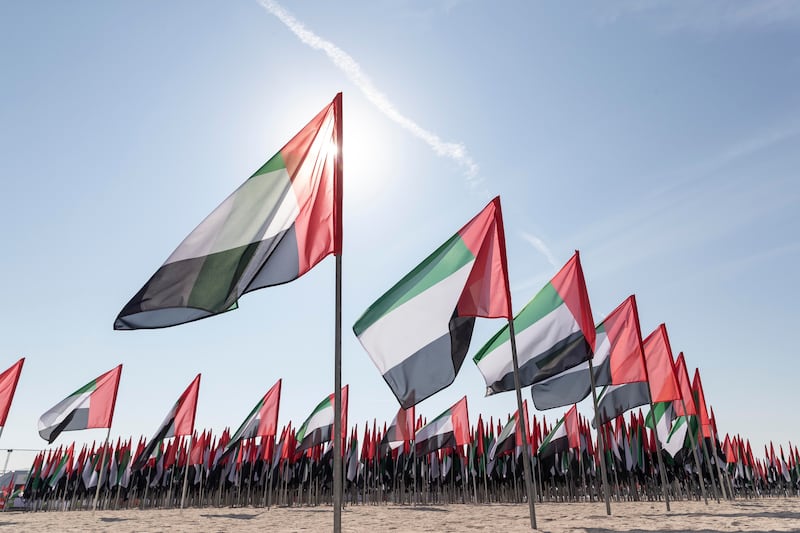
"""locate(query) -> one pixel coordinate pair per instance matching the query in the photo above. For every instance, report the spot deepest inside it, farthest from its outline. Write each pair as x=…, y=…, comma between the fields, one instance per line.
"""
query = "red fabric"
x=627, y=355
x=479, y=451
x=8, y=385
x=460, y=416
x=572, y=427
x=103, y=399
x=730, y=456
x=697, y=388
x=660, y=369
x=268, y=415
x=682, y=375
x=310, y=159
x=405, y=424
x=186, y=409
x=198, y=449
x=486, y=293
x=571, y=286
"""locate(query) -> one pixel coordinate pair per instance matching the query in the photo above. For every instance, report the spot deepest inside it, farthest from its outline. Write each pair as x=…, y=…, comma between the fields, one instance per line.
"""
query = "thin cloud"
x=345, y=62
x=540, y=246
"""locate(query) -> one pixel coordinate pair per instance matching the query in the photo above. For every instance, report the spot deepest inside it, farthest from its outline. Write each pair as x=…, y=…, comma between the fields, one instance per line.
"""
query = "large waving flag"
x=318, y=427
x=262, y=420
x=91, y=406
x=618, y=359
x=178, y=422
x=273, y=229
x=554, y=332
x=8, y=386
x=418, y=333
x=449, y=429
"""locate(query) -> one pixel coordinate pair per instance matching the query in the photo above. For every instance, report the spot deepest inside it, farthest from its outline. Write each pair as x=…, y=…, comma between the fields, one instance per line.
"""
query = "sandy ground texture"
x=765, y=515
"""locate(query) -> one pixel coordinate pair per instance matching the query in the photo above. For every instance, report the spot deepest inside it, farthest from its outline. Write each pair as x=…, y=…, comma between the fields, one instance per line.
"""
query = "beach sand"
x=767, y=515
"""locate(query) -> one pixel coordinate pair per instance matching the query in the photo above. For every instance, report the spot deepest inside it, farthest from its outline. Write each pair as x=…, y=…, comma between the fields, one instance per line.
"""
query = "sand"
x=767, y=515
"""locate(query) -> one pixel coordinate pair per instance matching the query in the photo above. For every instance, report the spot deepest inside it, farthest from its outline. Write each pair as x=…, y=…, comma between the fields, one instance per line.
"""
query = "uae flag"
x=510, y=437
x=399, y=432
x=662, y=385
x=660, y=419
x=616, y=399
x=262, y=420
x=564, y=436
x=418, y=333
x=660, y=366
x=8, y=386
x=273, y=229
x=91, y=406
x=318, y=427
x=617, y=359
x=685, y=386
x=700, y=400
x=554, y=332
x=447, y=430
x=178, y=422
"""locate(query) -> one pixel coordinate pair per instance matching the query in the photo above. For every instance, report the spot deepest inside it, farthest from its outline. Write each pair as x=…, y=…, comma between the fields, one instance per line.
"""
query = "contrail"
x=455, y=151
x=539, y=244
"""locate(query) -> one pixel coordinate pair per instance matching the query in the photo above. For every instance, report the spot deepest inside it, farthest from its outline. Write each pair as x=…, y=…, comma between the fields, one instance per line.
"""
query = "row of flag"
x=287, y=217
x=93, y=406
x=491, y=451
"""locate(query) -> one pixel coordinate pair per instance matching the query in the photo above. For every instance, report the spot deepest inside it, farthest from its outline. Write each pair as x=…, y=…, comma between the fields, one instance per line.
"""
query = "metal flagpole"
x=601, y=440
x=185, y=470
x=5, y=469
x=708, y=462
x=337, y=365
x=102, y=468
x=701, y=481
x=660, y=446
x=522, y=426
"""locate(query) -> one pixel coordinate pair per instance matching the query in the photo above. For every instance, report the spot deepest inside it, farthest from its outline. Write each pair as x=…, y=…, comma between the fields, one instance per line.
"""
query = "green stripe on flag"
x=542, y=304
x=275, y=163
x=446, y=260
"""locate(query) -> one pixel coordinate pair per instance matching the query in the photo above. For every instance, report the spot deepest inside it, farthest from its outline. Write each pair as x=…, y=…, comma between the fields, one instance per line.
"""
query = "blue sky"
x=660, y=139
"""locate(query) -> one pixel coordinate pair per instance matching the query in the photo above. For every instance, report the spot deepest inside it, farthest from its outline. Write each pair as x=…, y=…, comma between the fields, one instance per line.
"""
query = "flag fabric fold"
x=660, y=366
x=449, y=429
x=178, y=422
x=564, y=436
x=318, y=427
x=618, y=359
x=91, y=406
x=418, y=333
x=554, y=331
x=273, y=229
x=262, y=421
x=8, y=386
x=400, y=431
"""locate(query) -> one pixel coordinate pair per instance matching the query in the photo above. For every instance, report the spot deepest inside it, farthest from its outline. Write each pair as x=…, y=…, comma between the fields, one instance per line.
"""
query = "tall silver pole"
x=186, y=471
x=658, y=450
x=601, y=441
x=337, y=365
x=522, y=426
x=693, y=442
x=102, y=468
